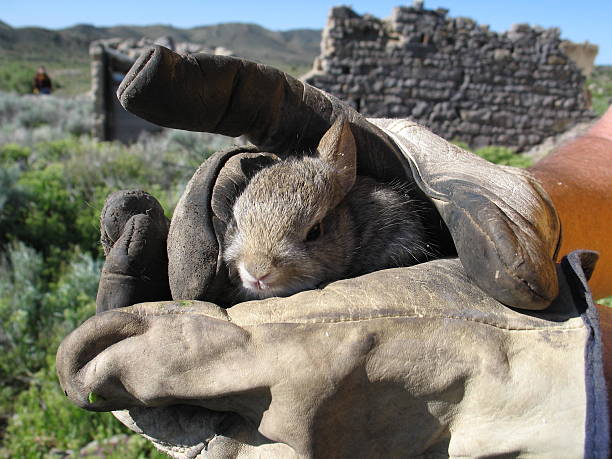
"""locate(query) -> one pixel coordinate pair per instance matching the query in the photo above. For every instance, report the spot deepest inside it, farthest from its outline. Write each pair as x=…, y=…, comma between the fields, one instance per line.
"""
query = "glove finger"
x=136, y=267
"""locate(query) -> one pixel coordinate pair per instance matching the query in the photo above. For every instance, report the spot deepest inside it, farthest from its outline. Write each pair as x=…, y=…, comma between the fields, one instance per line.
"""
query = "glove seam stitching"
x=384, y=317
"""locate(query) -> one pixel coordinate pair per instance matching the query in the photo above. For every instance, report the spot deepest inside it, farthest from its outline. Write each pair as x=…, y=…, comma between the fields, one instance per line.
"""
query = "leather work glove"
x=489, y=350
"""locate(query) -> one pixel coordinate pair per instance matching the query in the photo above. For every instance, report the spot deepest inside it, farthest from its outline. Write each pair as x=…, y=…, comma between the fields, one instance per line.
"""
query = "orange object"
x=578, y=178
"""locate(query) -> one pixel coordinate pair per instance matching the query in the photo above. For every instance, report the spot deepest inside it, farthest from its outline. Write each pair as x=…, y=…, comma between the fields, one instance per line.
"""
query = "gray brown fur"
x=366, y=225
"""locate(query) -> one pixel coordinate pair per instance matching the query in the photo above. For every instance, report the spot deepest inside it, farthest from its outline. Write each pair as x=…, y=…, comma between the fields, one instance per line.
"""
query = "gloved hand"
x=498, y=220
x=396, y=363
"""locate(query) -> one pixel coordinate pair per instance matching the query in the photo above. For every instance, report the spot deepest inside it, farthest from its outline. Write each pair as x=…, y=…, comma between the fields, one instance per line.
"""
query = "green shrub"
x=600, y=86
x=21, y=293
x=36, y=316
x=17, y=77
x=54, y=151
x=12, y=199
x=461, y=144
x=64, y=184
x=53, y=185
x=504, y=156
x=27, y=120
x=606, y=301
x=53, y=214
x=44, y=419
x=11, y=152
x=499, y=155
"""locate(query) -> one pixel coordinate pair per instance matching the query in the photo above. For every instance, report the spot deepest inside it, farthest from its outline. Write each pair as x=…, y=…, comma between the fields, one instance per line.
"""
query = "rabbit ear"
x=337, y=147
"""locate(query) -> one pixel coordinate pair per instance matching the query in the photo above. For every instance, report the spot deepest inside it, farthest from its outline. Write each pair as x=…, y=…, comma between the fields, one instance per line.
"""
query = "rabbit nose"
x=255, y=275
x=257, y=271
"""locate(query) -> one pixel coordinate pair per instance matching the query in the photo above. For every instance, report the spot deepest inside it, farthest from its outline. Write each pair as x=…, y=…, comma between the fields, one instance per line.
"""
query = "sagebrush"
x=54, y=179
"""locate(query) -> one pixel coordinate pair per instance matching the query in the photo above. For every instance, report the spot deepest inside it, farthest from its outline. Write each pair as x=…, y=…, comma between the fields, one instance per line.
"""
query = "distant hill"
x=293, y=48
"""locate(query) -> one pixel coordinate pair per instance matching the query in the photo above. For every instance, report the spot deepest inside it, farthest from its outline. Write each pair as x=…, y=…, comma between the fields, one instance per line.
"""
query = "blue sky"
x=579, y=21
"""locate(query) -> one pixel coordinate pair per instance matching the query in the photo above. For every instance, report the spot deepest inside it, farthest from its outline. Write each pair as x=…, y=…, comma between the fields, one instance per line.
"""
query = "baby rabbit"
x=302, y=222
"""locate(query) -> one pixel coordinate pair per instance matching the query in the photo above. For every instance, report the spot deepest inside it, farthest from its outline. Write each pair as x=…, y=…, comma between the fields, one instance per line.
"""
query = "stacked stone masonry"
x=111, y=59
x=452, y=75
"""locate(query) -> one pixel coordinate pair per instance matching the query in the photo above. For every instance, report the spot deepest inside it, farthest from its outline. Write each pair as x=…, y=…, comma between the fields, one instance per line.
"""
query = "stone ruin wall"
x=111, y=59
x=452, y=75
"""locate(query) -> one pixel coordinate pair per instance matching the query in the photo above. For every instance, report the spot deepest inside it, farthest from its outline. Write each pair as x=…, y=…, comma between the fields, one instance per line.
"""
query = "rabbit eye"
x=314, y=233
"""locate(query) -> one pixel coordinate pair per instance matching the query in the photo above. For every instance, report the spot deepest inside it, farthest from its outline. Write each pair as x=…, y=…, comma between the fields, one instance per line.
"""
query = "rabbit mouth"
x=260, y=289
x=273, y=282
x=258, y=286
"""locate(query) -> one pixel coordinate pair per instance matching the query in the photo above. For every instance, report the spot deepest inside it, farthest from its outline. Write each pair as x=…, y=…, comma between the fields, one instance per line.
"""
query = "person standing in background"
x=42, y=82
